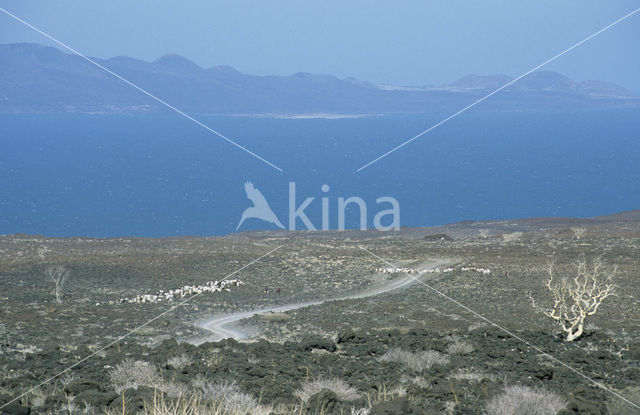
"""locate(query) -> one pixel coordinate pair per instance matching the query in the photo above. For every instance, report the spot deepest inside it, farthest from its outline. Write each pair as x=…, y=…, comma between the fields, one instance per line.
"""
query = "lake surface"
x=161, y=175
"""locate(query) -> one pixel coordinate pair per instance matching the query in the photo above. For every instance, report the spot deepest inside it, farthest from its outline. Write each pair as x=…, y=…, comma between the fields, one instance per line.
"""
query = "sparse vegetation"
x=469, y=375
x=195, y=403
x=523, y=400
x=459, y=348
x=130, y=374
x=418, y=362
x=446, y=360
x=228, y=397
x=184, y=405
x=383, y=393
x=179, y=362
x=213, y=359
x=338, y=386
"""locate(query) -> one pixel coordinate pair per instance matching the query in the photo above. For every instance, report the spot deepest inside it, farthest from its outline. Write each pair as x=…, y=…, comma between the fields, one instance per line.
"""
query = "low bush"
x=341, y=388
x=523, y=400
x=129, y=374
x=417, y=362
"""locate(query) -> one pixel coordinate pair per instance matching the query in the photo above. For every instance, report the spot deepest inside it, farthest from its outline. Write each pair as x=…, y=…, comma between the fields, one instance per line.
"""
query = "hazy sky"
x=392, y=42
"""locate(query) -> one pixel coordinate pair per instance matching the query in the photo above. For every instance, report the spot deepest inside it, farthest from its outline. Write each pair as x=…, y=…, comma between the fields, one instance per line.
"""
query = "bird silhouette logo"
x=260, y=209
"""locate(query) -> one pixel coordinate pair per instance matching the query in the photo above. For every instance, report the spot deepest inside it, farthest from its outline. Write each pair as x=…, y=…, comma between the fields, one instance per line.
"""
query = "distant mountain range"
x=41, y=79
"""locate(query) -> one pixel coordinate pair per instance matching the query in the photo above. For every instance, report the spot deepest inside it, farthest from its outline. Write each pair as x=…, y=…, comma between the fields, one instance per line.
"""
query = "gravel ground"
x=469, y=362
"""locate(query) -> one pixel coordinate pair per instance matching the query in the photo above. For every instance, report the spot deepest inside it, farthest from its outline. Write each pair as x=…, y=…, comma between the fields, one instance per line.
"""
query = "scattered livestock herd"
x=225, y=285
x=210, y=287
x=394, y=270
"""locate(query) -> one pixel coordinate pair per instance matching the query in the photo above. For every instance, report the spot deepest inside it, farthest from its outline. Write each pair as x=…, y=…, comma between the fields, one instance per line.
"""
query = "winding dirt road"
x=219, y=325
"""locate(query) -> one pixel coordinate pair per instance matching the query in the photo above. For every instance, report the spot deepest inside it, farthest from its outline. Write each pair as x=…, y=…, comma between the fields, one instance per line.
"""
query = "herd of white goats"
x=210, y=287
x=225, y=285
x=395, y=270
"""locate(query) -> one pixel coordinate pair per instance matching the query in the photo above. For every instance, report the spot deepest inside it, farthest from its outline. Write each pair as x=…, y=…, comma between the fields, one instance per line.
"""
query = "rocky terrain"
x=462, y=340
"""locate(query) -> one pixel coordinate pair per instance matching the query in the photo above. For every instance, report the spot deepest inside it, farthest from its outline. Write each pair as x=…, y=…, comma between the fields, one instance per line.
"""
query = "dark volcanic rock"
x=323, y=402
x=633, y=352
x=317, y=342
x=346, y=336
x=394, y=407
x=543, y=373
x=95, y=398
x=584, y=401
x=80, y=385
x=15, y=409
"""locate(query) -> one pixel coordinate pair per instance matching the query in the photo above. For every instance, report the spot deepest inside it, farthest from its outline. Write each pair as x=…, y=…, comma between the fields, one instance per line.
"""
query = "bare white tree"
x=576, y=298
x=578, y=232
x=57, y=275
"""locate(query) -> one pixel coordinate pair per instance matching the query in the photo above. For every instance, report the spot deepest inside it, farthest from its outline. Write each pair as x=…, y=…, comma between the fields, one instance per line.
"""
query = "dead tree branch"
x=574, y=299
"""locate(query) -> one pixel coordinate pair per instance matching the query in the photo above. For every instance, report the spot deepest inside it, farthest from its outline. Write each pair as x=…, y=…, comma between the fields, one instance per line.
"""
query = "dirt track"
x=220, y=328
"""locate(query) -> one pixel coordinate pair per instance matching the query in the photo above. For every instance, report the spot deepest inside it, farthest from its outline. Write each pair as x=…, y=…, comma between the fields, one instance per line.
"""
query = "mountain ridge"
x=36, y=78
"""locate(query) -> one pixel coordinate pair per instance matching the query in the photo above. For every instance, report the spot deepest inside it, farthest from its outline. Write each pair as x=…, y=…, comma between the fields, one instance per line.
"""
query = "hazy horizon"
x=551, y=148
x=347, y=222
x=428, y=84
x=418, y=45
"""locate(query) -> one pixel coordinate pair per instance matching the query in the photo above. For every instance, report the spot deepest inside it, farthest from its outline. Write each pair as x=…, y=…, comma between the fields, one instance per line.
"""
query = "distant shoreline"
x=326, y=116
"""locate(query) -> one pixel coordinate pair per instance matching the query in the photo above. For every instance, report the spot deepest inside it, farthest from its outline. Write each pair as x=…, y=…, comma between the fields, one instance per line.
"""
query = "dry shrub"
x=185, y=405
x=243, y=403
x=215, y=391
x=214, y=359
x=129, y=374
x=417, y=362
x=229, y=398
x=174, y=390
x=384, y=394
x=180, y=362
x=342, y=389
x=523, y=400
x=460, y=348
x=470, y=375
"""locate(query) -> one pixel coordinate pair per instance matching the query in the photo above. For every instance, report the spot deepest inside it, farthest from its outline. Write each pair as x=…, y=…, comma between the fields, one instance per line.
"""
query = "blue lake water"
x=161, y=175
